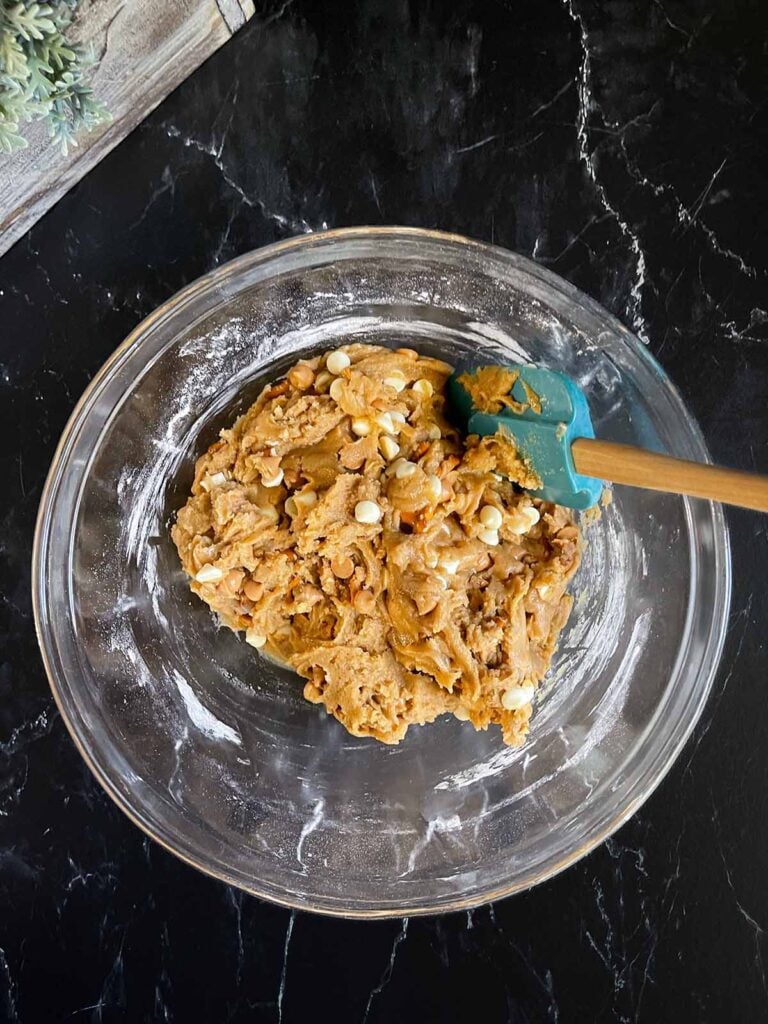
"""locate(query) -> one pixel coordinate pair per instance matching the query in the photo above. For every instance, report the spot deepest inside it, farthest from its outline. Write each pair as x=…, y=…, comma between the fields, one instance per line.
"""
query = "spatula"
x=547, y=417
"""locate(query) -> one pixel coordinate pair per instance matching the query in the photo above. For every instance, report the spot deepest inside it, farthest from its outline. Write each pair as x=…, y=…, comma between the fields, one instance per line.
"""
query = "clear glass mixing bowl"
x=212, y=750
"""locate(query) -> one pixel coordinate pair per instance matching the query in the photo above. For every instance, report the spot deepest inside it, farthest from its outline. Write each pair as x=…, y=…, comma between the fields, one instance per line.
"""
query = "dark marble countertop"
x=623, y=145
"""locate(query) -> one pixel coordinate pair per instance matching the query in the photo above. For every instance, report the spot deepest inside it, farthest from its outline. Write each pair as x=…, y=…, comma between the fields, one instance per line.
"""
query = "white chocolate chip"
x=255, y=639
x=361, y=427
x=367, y=512
x=450, y=565
x=490, y=517
x=306, y=499
x=423, y=387
x=337, y=390
x=273, y=481
x=270, y=512
x=337, y=362
x=490, y=537
x=322, y=379
x=435, y=487
x=434, y=433
x=523, y=519
x=389, y=448
x=398, y=419
x=517, y=697
x=461, y=713
x=397, y=383
x=404, y=468
x=209, y=574
x=291, y=507
x=213, y=480
x=384, y=420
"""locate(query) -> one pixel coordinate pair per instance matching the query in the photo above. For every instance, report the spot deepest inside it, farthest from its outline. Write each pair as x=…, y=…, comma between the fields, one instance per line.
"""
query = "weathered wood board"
x=145, y=48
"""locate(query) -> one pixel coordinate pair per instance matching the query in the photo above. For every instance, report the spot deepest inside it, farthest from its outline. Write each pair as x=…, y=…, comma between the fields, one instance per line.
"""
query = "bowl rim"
x=645, y=785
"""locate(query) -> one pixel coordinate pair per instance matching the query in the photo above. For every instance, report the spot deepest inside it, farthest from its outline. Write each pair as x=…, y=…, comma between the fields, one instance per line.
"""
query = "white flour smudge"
x=200, y=716
x=309, y=827
x=436, y=825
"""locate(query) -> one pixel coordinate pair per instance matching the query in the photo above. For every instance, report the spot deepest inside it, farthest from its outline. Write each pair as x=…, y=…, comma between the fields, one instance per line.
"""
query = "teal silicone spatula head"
x=542, y=429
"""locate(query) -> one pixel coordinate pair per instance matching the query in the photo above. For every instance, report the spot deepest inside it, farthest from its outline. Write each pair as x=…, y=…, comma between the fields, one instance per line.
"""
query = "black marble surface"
x=622, y=144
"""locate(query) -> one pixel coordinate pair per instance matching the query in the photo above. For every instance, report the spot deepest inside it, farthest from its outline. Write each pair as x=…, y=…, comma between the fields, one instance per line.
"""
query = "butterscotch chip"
x=364, y=602
x=301, y=377
x=253, y=590
x=342, y=566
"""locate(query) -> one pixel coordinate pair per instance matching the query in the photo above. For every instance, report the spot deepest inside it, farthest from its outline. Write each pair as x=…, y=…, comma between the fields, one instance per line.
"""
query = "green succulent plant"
x=42, y=75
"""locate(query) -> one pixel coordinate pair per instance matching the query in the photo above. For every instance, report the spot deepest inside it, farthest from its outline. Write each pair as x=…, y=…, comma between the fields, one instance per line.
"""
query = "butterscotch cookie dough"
x=354, y=534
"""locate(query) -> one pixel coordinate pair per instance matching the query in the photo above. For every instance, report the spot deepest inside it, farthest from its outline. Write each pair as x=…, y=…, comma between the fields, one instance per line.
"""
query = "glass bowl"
x=212, y=750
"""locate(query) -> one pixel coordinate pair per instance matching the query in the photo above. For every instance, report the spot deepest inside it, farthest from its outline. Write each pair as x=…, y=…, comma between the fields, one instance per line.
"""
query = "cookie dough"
x=351, y=532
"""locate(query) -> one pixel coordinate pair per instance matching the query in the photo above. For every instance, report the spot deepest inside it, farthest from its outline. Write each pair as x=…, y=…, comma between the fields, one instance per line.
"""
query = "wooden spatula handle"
x=624, y=464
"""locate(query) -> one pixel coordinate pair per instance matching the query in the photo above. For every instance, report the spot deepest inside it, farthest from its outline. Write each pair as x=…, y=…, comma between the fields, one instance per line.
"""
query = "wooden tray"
x=145, y=49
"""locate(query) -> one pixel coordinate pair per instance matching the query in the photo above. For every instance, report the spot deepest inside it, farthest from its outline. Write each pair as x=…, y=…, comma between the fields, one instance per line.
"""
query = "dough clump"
x=352, y=532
